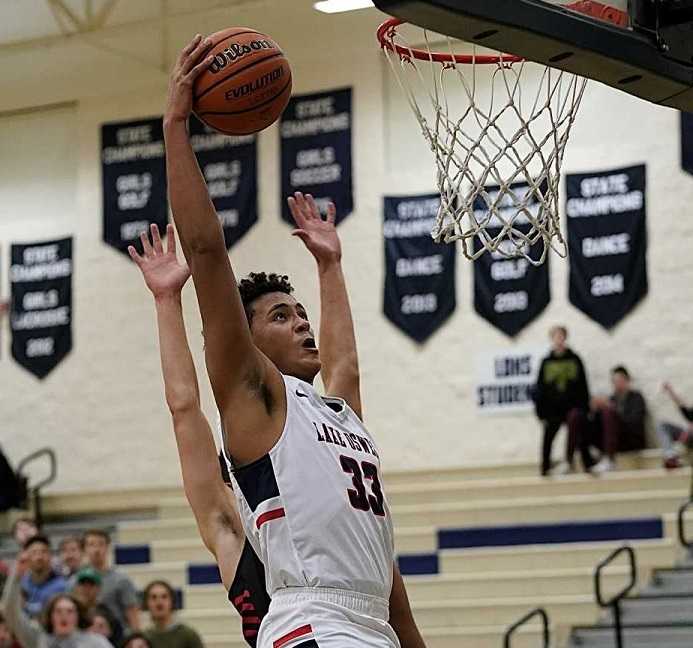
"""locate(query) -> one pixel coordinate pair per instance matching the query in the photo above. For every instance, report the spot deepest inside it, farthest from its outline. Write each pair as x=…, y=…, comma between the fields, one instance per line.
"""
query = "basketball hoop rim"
x=387, y=30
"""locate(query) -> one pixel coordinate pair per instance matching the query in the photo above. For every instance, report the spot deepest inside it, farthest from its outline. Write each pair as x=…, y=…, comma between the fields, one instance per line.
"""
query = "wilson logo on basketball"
x=237, y=51
x=253, y=86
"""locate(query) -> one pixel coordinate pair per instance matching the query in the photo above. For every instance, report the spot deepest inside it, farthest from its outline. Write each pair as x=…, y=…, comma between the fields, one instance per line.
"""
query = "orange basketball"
x=247, y=85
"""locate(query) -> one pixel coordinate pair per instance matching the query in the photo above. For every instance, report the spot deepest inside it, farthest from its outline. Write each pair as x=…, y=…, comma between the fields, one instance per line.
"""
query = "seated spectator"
x=104, y=623
x=41, y=582
x=23, y=530
x=166, y=632
x=64, y=620
x=6, y=638
x=87, y=588
x=71, y=556
x=136, y=640
x=671, y=433
x=13, y=487
x=616, y=424
x=118, y=593
x=560, y=394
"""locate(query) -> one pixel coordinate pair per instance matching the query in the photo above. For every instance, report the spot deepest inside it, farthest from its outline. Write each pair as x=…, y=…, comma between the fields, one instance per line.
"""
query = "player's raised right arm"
x=232, y=359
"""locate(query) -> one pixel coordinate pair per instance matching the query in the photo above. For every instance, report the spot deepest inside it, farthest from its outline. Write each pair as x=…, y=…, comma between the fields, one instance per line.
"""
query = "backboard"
x=644, y=48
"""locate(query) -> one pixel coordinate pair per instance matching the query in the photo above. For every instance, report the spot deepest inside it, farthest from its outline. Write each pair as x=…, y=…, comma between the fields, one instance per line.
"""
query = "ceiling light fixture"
x=338, y=6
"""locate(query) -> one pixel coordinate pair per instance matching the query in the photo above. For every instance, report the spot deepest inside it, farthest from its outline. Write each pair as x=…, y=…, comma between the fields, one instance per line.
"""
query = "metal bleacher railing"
x=537, y=612
x=614, y=601
x=681, y=524
x=35, y=488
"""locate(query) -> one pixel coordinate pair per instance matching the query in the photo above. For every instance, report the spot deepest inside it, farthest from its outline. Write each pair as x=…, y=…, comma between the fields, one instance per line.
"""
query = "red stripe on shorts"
x=299, y=632
x=269, y=515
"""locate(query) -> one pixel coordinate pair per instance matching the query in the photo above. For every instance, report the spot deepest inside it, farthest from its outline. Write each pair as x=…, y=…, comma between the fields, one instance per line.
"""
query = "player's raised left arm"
x=340, y=367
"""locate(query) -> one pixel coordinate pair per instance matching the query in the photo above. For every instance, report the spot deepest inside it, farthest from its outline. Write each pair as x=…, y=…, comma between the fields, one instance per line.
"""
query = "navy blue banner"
x=419, y=273
x=133, y=169
x=229, y=165
x=41, y=307
x=316, y=151
x=687, y=141
x=607, y=242
x=509, y=291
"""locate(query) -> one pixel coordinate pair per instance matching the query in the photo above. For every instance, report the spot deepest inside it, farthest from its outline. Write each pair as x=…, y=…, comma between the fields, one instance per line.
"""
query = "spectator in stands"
x=6, y=638
x=41, y=582
x=23, y=529
x=136, y=640
x=616, y=423
x=118, y=593
x=87, y=588
x=71, y=555
x=166, y=632
x=671, y=433
x=560, y=394
x=63, y=623
x=105, y=624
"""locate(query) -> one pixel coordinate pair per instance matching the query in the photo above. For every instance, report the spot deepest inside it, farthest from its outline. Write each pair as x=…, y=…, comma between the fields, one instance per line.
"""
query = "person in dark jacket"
x=616, y=424
x=671, y=433
x=561, y=394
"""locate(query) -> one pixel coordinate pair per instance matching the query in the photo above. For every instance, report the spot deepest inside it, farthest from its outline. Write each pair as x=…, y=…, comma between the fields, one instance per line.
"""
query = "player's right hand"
x=164, y=275
x=190, y=63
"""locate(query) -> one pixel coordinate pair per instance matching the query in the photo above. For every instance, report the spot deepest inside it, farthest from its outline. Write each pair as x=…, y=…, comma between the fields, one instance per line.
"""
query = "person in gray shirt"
x=64, y=619
x=118, y=593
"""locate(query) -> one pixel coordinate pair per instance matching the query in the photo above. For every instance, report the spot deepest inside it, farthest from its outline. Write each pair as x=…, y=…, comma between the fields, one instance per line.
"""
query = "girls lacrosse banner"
x=41, y=308
x=229, y=165
x=134, y=180
x=607, y=242
x=419, y=273
x=316, y=151
x=509, y=293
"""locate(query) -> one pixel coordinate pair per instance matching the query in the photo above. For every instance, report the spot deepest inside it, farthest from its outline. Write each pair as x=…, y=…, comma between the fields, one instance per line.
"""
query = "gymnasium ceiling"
x=54, y=51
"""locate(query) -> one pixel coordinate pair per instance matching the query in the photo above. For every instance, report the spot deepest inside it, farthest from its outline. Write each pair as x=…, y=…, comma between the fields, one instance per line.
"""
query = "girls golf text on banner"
x=41, y=307
x=509, y=292
x=419, y=273
x=607, y=242
x=687, y=141
x=134, y=180
x=229, y=165
x=316, y=150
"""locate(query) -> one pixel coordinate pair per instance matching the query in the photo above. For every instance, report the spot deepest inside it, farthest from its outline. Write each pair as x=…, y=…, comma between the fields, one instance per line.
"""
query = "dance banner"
x=316, y=151
x=419, y=273
x=687, y=141
x=607, y=242
x=229, y=165
x=134, y=180
x=41, y=306
x=509, y=292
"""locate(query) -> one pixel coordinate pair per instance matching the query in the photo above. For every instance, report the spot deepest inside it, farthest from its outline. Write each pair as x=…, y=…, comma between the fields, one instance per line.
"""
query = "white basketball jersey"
x=313, y=508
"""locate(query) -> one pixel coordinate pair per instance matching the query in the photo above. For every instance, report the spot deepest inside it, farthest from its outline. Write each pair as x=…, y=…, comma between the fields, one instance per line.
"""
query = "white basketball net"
x=498, y=144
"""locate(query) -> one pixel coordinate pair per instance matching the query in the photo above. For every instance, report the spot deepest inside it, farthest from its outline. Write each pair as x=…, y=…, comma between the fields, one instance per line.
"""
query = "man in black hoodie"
x=561, y=395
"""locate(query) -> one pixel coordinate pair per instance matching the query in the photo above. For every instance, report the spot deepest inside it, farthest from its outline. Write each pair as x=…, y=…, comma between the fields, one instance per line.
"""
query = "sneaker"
x=563, y=468
x=672, y=463
x=604, y=466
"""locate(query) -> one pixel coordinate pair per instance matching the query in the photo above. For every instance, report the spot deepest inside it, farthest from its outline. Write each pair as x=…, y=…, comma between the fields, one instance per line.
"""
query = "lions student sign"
x=505, y=380
x=607, y=242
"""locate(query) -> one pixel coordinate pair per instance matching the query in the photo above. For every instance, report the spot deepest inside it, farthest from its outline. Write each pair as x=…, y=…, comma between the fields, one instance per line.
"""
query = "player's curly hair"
x=257, y=284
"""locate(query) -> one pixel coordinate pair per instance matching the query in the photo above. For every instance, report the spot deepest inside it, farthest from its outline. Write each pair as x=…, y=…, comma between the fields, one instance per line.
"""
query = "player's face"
x=281, y=330
x=159, y=603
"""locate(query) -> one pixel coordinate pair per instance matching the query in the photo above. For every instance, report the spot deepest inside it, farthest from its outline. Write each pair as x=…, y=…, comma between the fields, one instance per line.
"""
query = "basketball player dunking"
x=307, y=477
x=213, y=505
